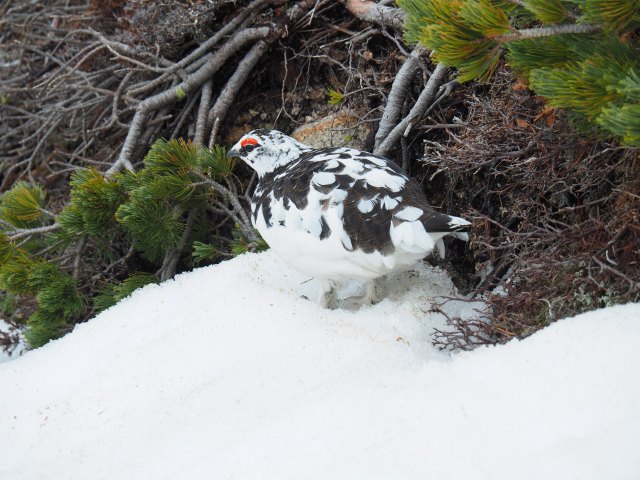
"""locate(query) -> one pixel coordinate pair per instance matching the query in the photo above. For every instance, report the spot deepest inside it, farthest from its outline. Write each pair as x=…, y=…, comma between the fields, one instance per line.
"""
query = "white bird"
x=338, y=213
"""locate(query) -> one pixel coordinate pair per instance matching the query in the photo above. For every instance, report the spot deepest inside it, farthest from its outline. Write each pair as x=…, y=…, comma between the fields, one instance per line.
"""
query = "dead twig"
x=201, y=121
x=422, y=104
x=376, y=13
x=397, y=95
x=185, y=88
x=219, y=110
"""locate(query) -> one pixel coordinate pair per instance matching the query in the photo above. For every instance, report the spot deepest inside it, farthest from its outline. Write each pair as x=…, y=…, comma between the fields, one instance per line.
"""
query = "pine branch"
x=520, y=3
x=170, y=263
x=78, y=256
x=526, y=6
x=547, y=32
x=243, y=219
x=19, y=233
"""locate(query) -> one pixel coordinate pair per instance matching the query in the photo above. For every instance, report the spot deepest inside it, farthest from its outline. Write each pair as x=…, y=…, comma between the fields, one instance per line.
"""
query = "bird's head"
x=265, y=150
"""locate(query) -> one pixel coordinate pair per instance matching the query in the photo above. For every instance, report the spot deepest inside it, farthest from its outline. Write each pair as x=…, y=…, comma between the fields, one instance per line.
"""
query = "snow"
x=225, y=372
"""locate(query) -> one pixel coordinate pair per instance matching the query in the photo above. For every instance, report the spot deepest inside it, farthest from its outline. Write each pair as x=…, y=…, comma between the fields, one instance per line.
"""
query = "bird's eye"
x=248, y=144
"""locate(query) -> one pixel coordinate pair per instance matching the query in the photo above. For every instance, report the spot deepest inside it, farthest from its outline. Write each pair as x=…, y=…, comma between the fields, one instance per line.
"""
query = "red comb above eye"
x=248, y=141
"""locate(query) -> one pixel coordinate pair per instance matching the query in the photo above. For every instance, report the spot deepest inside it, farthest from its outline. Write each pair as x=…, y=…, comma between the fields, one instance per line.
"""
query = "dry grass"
x=556, y=215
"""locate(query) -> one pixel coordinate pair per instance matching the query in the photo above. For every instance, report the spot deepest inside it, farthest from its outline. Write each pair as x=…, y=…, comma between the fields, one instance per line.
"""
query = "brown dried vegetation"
x=556, y=216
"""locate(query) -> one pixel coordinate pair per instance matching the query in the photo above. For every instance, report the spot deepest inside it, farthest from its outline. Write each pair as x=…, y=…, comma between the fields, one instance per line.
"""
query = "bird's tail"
x=456, y=227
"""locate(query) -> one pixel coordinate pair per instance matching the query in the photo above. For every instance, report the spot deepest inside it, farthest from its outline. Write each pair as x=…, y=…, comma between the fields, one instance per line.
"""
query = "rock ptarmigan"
x=337, y=213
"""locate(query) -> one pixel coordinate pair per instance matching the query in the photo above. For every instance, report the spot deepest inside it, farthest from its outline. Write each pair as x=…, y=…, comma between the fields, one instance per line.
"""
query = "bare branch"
x=201, y=122
x=376, y=13
x=397, y=95
x=170, y=263
x=424, y=100
x=251, y=10
x=233, y=85
x=185, y=88
x=243, y=221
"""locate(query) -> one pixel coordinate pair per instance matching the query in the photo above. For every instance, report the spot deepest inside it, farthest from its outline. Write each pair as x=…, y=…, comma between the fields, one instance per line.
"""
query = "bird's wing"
x=368, y=193
x=363, y=189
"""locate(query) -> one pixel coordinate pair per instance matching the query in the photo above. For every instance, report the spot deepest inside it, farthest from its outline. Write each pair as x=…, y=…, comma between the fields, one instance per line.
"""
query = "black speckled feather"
x=368, y=231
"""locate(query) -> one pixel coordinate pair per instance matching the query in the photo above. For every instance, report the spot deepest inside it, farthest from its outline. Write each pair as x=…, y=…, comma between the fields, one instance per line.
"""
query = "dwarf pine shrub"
x=115, y=235
x=583, y=55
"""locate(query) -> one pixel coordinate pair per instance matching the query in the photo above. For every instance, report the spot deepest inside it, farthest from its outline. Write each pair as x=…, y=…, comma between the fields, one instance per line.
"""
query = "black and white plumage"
x=339, y=213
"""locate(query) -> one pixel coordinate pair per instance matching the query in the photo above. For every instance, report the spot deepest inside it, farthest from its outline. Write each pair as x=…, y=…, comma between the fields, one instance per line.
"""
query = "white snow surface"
x=225, y=372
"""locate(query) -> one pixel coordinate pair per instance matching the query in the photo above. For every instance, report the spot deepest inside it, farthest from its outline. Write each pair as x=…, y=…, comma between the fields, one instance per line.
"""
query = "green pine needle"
x=42, y=274
x=595, y=74
x=483, y=17
x=23, y=205
x=547, y=11
x=241, y=243
x=176, y=188
x=172, y=156
x=59, y=304
x=43, y=327
x=154, y=226
x=335, y=97
x=623, y=121
x=529, y=54
x=461, y=33
x=7, y=249
x=203, y=252
x=71, y=220
x=115, y=292
x=615, y=15
x=94, y=201
x=215, y=162
x=14, y=273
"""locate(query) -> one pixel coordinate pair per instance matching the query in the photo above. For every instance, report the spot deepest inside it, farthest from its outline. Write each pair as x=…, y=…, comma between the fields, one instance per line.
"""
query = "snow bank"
x=226, y=372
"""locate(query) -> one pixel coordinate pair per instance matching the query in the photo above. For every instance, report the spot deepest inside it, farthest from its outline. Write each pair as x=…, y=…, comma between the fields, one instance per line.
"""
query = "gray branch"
x=397, y=95
x=233, y=85
x=375, y=13
x=201, y=122
x=202, y=50
x=245, y=223
x=170, y=263
x=424, y=100
x=185, y=88
x=19, y=233
x=547, y=32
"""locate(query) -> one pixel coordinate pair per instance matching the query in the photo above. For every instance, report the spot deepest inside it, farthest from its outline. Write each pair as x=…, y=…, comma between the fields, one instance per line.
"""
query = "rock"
x=337, y=130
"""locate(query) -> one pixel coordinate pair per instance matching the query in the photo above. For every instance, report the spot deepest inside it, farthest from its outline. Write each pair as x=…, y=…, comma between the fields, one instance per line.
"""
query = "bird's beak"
x=233, y=154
